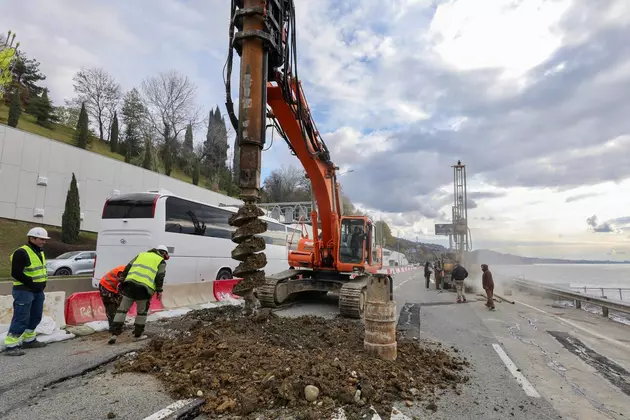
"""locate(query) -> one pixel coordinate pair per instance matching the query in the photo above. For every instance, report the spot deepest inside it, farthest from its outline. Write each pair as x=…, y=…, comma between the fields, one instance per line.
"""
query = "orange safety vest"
x=110, y=280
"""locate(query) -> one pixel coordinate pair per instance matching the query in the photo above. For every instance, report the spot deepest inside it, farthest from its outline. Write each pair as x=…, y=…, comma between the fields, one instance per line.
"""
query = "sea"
x=593, y=277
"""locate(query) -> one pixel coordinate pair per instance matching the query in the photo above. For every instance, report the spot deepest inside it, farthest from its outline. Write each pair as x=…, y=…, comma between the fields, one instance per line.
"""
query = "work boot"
x=138, y=334
x=33, y=344
x=464, y=300
x=112, y=339
x=15, y=351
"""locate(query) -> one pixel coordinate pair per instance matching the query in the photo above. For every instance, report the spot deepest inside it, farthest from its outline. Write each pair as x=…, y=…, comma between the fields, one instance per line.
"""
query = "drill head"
x=249, y=248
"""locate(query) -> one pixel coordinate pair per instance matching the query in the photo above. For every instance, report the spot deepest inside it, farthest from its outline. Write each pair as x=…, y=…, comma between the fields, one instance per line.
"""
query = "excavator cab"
x=357, y=250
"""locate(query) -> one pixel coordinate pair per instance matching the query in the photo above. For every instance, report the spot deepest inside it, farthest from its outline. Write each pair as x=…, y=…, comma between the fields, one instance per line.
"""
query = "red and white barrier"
x=396, y=270
x=223, y=289
x=84, y=307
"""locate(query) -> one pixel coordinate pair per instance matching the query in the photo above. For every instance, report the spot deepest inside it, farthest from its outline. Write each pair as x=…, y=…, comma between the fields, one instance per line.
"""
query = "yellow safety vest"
x=144, y=269
x=36, y=269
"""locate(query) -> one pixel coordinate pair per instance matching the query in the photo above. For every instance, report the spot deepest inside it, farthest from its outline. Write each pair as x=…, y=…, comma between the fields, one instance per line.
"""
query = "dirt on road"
x=244, y=367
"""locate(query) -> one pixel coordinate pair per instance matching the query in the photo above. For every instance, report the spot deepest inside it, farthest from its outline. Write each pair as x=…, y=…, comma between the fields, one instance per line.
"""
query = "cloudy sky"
x=532, y=95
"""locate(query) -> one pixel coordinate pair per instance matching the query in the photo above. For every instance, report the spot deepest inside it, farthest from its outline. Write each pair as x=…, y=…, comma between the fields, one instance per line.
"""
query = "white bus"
x=394, y=259
x=197, y=235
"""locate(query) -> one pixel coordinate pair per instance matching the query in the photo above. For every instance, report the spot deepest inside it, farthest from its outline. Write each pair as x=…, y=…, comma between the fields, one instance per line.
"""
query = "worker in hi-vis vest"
x=110, y=295
x=142, y=278
x=28, y=269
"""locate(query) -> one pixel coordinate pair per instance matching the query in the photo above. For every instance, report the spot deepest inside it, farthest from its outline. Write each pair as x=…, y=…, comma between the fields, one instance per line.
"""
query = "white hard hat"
x=38, y=232
x=162, y=248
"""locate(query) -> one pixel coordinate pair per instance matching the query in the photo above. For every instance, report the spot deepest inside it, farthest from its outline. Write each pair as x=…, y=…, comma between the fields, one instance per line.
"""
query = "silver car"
x=72, y=263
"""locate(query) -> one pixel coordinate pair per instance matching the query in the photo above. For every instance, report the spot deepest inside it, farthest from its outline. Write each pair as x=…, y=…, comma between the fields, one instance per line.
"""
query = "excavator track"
x=352, y=297
x=267, y=292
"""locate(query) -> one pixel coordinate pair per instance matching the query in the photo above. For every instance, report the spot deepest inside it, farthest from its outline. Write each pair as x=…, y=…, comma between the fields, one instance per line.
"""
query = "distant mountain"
x=486, y=256
x=415, y=252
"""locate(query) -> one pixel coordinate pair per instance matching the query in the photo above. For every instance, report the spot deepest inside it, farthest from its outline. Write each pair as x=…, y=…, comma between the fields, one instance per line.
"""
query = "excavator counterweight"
x=344, y=258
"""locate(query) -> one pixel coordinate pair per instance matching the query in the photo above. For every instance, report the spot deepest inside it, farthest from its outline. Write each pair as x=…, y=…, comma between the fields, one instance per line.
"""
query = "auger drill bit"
x=248, y=252
x=250, y=43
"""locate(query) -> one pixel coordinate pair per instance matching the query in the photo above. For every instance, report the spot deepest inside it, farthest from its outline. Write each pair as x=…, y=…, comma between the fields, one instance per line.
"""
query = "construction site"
x=317, y=318
x=244, y=362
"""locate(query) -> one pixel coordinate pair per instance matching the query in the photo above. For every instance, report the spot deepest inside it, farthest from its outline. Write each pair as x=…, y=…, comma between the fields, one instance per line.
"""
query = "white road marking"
x=413, y=276
x=523, y=382
x=398, y=285
x=579, y=327
x=170, y=409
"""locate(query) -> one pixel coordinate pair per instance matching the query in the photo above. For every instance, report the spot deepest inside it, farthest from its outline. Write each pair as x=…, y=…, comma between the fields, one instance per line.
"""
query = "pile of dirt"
x=246, y=366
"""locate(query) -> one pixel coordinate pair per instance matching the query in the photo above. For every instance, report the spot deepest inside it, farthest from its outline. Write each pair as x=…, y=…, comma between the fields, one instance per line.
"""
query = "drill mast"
x=460, y=210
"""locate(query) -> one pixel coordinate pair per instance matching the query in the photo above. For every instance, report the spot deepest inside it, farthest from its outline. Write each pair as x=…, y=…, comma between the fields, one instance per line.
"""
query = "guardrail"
x=68, y=284
x=620, y=290
x=578, y=298
x=83, y=276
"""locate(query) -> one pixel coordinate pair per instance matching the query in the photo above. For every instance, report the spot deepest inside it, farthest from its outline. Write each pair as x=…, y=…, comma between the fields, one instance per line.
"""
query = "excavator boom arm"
x=319, y=169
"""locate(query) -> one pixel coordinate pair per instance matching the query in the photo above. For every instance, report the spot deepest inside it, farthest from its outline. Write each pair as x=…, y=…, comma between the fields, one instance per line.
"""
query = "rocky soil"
x=308, y=366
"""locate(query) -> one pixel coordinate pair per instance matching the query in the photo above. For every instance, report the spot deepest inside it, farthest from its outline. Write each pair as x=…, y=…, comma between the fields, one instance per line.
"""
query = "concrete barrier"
x=53, y=307
x=188, y=294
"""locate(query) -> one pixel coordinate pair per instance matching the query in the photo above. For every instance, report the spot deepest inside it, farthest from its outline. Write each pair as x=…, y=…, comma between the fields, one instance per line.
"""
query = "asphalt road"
x=570, y=364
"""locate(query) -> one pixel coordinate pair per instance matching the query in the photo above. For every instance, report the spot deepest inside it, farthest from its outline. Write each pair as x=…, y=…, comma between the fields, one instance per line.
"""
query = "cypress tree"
x=42, y=109
x=196, y=170
x=71, y=219
x=15, y=109
x=188, y=139
x=113, y=134
x=82, y=132
x=147, y=163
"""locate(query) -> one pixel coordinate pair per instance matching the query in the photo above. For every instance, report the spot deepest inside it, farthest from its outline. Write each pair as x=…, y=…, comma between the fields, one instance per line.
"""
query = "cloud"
x=563, y=125
x=610, y=226
x=131, y=40
x=475, y=196
x=578, y=197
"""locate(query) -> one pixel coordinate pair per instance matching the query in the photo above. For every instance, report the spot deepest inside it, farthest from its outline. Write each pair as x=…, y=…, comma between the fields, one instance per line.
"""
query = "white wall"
x=24, y=157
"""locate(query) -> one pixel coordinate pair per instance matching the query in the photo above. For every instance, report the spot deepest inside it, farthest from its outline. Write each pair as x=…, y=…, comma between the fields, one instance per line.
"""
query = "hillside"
x=497, y=258
x=416, y=253
x=14, y=235
x=65, y=134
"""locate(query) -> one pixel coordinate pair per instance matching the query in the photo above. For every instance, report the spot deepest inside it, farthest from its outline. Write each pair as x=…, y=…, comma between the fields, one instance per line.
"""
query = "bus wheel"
x=224, y=274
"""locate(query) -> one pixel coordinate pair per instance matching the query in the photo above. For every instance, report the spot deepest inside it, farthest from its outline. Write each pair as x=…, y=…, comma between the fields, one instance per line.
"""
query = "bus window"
x=275, y=234
x=130, y=206
x=190, y=218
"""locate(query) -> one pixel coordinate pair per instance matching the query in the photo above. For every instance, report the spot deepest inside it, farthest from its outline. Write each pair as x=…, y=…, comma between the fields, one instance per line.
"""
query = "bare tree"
x=170, y=100
x=286, y=184
x=101, y=95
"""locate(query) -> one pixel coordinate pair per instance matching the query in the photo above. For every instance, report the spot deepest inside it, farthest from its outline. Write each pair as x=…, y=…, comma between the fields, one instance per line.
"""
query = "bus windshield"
x=130, y=206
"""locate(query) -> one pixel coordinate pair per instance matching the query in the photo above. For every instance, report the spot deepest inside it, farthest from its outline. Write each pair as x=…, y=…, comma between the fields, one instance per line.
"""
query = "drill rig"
x=344, y=259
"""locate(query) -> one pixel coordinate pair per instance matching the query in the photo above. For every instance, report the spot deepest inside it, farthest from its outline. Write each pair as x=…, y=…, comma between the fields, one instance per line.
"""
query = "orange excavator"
x=344, y=259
